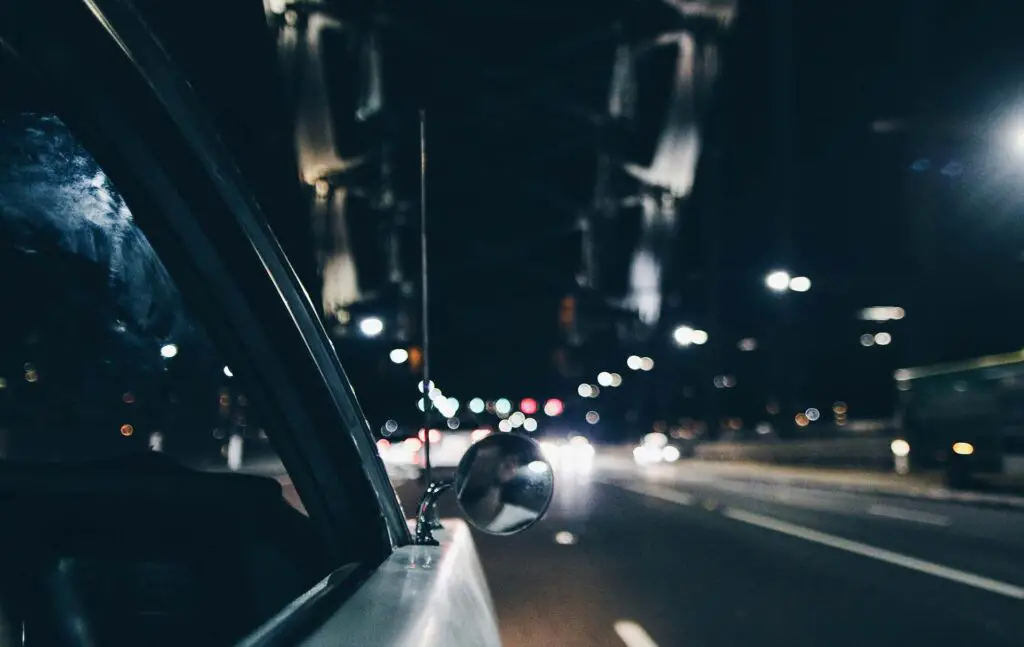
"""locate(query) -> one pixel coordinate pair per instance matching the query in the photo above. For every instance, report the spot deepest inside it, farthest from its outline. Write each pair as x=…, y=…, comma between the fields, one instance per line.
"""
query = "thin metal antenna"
x=427, y=404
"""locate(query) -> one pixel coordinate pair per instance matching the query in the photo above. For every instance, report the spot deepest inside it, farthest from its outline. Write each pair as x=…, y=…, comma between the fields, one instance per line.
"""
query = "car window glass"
x=99, y=357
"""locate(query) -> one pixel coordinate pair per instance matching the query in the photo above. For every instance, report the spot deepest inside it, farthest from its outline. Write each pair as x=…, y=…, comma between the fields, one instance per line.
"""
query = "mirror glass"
x=504, y=484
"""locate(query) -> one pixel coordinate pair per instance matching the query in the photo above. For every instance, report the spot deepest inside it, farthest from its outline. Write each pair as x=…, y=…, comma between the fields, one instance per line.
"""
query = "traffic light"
x=554, y=407
x=415, y=359
x=567, y=313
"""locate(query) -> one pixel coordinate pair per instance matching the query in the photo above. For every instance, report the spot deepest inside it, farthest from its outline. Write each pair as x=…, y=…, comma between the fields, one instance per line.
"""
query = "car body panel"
x=422, y=596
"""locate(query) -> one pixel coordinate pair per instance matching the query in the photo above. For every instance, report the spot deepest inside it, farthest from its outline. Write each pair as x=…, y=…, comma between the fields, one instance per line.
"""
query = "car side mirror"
x=503, y=485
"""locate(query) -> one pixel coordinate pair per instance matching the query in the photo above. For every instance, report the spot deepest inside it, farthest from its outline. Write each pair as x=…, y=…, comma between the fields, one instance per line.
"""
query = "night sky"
x=502, y=189
x=793, y=175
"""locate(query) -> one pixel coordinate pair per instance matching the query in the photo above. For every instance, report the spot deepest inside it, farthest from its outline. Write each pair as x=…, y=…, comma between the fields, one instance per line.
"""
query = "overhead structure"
x=661, y=88
x=355, y=71
x=563, y=152
x=333, y=64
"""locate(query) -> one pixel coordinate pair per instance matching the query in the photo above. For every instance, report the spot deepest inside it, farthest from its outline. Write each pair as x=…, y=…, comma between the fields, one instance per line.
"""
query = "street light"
x=399, y=355
x=781, y=281
x=371, y=326
x=777, y=281
x=799, y=284
x=683, y=335
x=1012, y=135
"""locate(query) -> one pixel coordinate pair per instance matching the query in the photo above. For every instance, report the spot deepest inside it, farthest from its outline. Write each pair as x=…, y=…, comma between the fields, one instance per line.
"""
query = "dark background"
x=859, y=144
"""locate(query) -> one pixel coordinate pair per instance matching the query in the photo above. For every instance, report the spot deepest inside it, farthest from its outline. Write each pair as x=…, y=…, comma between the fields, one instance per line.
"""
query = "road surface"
x=676, y=556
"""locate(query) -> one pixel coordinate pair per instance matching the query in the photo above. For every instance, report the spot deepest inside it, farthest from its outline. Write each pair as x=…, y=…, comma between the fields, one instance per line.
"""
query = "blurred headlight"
x=550, y=450
x=900, y=447
x=963, y=449
x=646, y=454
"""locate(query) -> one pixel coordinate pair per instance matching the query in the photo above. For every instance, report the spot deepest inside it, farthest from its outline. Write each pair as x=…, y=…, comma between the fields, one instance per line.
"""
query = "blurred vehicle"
x=966, y=418
x=655, y=448
x=399, y=456
x=405, y=458
x=447, y=447
x=572, y=454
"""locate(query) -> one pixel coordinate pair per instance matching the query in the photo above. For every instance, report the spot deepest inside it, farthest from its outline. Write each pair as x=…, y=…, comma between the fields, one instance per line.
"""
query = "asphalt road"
x=680, y=557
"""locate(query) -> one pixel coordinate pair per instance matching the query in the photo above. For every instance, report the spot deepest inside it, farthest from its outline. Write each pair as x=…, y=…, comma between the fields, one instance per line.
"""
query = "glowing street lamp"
x=799, y=284
x=683, y=335
x=777, y=281
x=399, y=355
x=371, y=326
x=781, y=281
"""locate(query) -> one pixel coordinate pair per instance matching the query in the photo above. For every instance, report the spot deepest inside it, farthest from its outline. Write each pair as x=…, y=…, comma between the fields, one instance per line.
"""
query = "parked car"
x=183, y=459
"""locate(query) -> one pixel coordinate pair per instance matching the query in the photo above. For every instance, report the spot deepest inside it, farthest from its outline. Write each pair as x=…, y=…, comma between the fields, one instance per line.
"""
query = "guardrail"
x=871, y=452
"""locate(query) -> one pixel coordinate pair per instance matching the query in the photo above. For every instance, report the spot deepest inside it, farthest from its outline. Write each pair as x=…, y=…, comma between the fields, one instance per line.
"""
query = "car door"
x=112, y=84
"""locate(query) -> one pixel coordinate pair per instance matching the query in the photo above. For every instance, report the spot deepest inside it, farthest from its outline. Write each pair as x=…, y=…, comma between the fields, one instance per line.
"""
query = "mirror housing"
x=503, y=485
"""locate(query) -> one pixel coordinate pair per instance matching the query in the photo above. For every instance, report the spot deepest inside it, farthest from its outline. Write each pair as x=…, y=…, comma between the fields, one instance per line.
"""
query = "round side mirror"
x=504, y=484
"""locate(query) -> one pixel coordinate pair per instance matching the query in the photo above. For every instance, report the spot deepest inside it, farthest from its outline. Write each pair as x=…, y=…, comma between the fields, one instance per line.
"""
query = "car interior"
x=141, y=551
x=124, y=547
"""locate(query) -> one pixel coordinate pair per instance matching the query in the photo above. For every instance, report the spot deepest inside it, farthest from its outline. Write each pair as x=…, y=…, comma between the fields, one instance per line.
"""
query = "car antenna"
x=425, y=388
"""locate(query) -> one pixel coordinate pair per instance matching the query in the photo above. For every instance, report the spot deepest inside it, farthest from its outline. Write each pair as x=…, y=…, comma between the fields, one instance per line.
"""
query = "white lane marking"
x=656, y=492
x=888, y=556
x=633, y=634
x=909, y=515
x=782, y=496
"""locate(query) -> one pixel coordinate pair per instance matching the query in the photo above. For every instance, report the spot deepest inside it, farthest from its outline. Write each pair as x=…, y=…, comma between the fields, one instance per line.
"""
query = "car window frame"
x=125, y=101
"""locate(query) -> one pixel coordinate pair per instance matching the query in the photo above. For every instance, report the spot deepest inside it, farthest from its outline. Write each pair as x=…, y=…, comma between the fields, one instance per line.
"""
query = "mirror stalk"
x=426, y=517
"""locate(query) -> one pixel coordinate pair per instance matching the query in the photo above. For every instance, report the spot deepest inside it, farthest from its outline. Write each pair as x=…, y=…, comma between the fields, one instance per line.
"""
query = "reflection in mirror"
x=504, y=484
